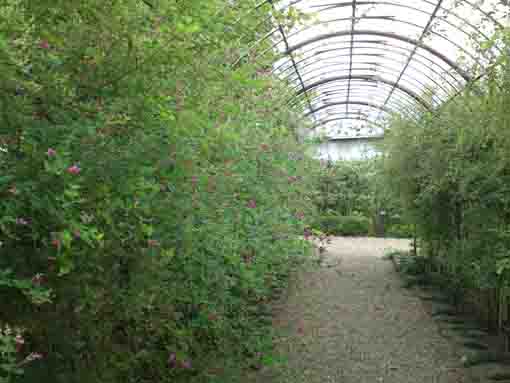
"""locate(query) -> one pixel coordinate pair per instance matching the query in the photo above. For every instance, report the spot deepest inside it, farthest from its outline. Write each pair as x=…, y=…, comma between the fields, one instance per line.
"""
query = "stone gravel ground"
x=350, y=321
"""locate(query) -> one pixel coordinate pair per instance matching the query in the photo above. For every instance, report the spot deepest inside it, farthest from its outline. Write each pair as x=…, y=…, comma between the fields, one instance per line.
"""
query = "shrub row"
x=151, y=196
x=351, y=194
x=344, y=226
x=451, y=169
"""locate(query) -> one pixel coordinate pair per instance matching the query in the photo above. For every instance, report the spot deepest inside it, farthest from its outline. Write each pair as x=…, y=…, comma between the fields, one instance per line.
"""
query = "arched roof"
x=364, y=60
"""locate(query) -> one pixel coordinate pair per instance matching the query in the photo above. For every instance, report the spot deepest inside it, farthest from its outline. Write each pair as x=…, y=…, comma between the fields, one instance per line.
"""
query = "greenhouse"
x=277, y=191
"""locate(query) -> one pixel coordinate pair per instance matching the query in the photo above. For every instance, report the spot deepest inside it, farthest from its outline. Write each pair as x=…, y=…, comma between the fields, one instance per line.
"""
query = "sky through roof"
x=357, y=62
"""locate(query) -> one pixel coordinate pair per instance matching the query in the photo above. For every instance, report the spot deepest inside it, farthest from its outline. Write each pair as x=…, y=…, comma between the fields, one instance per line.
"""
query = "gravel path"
x=350, y=321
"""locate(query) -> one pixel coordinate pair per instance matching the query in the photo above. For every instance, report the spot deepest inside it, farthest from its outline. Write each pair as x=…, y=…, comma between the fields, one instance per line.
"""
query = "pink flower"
x=152, y=243
x=307, y=234
x=77, y=234
x=19, y=342
x=21, y=221
x=44, y=44
x=194, y=180
x=186, y=364
x=252, y=204
x=51, y=152
x=38, y=279
x=33, y=356
x=75, y=169
x=172, y=359
x=300, y=215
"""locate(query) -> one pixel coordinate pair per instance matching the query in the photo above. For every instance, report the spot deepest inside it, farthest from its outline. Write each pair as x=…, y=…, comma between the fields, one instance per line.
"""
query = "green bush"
x=451, y=170
x=152, y=198
x=359, y=188
x=344, y=225
x=399, y=230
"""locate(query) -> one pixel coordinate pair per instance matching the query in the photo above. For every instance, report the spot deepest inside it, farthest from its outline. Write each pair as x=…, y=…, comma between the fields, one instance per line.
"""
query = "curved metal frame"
x=397, y=102
x=419, y=28
x=446, y=10
x=417, y=44
x=373, y=63
x=365, y=78
x=437, y=98
x=324, y=122
x=383, y=43
x=377, y=49
x=367, y=32
x=396, y=105
x=358, y=90
x=402, y=103
x=364, y=103
x=372, y=107
x=420, y=84
x=394, y=19
x=314, y=86
x=413, y=42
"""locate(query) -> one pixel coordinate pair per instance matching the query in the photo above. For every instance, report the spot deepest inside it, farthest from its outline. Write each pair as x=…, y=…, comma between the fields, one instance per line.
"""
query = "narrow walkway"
x=350, y=321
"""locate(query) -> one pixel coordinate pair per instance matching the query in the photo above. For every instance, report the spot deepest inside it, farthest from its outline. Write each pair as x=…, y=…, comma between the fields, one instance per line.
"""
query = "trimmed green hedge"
x=399, y=230
x=345, y=225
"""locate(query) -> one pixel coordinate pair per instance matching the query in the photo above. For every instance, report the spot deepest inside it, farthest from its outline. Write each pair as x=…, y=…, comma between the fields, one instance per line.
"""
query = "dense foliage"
x=351, y=197
x=451, y=169
x=151, y=197
x=338, y=225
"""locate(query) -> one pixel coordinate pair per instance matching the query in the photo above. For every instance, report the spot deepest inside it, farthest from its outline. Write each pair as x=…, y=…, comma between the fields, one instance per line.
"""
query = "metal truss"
x=357, y=62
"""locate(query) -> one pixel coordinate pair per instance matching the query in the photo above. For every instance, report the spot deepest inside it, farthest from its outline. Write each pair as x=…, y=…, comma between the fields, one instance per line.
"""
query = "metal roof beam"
x=400, y=102
x=431, y=66
x=282, y=32
x=420, y=40
x=379, y=64
x=383, y=69
x=369, y=78
x=364, y=103
x=417, y=43
x=353, y=25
